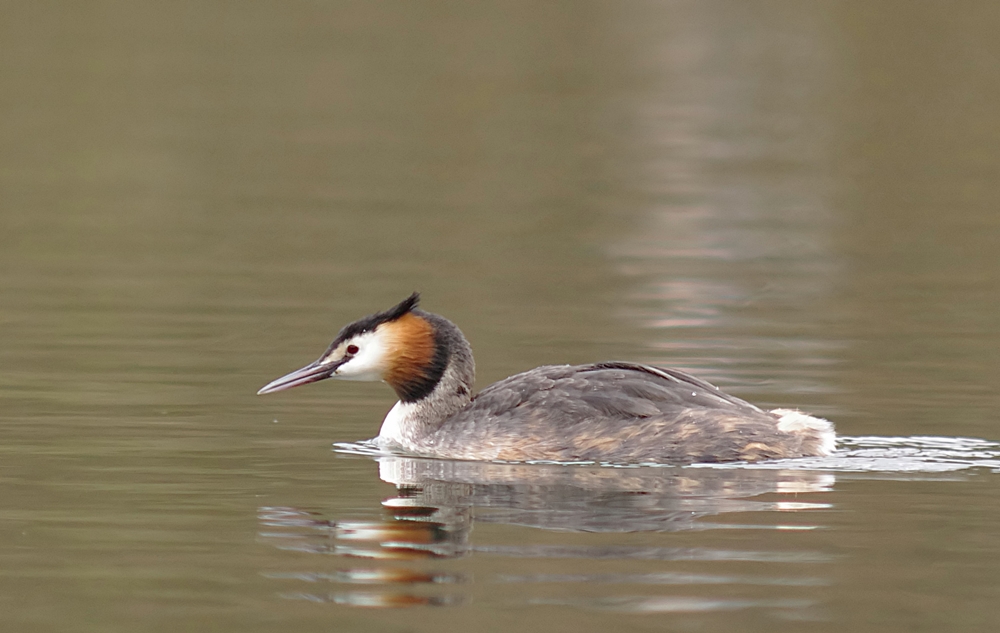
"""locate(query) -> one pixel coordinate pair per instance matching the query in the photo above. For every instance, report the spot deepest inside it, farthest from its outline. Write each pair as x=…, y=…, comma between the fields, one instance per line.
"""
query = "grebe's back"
x=616, y=412
x=619, y=412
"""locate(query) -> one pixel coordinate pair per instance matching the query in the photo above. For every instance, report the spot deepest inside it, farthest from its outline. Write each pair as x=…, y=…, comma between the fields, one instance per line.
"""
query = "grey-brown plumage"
x=613, y=412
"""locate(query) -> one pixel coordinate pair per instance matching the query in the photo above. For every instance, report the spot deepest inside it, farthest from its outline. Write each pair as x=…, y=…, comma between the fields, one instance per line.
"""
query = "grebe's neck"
x=433, y=390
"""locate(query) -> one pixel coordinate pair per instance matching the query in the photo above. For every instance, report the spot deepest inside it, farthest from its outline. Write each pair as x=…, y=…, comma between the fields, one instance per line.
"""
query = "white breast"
x=395, y=422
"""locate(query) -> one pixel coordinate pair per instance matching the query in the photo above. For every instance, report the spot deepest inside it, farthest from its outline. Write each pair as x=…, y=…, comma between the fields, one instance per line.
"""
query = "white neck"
x=411, y=424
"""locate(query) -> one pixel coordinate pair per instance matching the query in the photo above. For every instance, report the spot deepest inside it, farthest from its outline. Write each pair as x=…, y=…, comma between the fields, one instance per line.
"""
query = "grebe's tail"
x=818, y=436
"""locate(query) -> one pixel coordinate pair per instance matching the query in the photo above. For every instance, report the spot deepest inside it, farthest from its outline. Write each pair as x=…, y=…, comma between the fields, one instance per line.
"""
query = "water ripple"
x=875, y=454
x=869, y=453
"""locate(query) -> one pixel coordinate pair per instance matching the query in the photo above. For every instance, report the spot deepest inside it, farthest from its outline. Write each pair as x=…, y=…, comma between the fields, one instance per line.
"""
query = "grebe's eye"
x=352, y=349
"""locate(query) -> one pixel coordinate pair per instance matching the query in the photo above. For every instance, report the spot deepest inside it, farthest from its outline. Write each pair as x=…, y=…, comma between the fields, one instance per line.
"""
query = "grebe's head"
x=400, y=346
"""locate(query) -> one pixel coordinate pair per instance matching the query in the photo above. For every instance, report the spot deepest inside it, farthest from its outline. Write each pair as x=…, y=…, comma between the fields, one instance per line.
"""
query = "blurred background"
x=796, y=201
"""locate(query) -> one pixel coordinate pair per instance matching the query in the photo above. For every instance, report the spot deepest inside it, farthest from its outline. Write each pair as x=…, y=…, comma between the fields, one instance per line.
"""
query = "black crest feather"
x=369, y=323
x=406, y=305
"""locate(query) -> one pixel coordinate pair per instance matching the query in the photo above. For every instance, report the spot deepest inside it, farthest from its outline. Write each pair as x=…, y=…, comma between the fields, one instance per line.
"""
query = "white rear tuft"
x=792, y=421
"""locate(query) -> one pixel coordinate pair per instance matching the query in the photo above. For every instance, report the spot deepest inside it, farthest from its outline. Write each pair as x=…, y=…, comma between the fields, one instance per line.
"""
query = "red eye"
x=352, y=349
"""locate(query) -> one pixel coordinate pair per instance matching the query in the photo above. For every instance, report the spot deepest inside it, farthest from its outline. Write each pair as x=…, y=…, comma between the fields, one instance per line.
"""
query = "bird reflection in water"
x=430, y=518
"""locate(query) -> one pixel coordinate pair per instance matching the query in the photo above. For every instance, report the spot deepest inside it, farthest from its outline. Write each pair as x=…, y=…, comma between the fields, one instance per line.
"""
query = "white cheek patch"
x=369, y=363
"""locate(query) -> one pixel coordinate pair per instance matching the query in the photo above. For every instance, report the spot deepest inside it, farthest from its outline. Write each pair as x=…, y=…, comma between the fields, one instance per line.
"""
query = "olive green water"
x=797, y=201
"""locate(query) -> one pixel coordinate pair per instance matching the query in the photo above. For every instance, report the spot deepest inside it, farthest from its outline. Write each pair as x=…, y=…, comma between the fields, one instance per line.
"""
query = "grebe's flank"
x=614, y=411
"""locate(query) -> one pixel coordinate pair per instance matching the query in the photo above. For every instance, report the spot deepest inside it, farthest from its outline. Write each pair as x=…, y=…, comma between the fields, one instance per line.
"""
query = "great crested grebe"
x=610, y=412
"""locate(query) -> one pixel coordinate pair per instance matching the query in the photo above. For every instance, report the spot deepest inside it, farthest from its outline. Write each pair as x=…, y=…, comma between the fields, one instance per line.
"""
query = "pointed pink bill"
x=310, y=373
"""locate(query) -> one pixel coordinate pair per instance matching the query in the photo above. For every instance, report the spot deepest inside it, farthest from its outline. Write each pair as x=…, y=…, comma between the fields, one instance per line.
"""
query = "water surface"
x=795, y=201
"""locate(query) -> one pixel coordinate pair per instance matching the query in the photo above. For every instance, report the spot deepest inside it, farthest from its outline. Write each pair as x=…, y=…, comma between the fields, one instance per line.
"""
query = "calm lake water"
x=796, y=201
